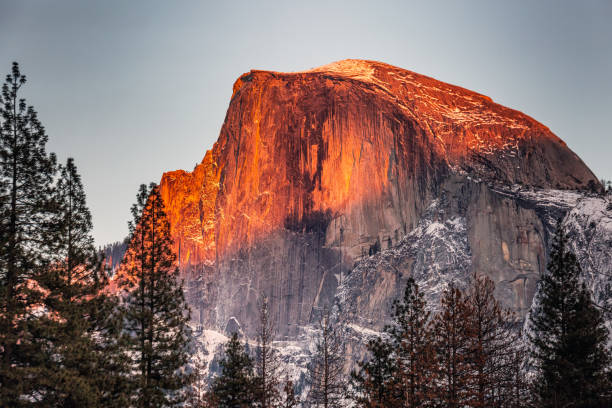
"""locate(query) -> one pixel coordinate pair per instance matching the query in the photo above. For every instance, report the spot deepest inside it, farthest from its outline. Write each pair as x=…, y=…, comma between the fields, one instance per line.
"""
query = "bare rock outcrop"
x=328, y=188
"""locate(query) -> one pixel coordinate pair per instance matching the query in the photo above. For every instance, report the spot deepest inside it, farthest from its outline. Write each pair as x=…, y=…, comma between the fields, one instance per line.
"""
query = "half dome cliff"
x=327, y=189
x=360, y=145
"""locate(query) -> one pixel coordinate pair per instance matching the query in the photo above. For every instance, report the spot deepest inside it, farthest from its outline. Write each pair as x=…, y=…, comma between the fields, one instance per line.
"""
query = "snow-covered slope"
x=589, y=228
x=328, y=188
x=436, y=252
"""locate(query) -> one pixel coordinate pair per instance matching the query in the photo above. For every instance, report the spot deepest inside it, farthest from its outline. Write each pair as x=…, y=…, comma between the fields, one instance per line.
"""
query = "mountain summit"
x=328, y=188
x=361, y=144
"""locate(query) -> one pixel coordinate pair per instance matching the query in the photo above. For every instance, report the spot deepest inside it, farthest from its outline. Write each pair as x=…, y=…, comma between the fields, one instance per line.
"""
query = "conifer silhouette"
x=85, y=363
x=156, y=311
x=26, y=184
x=568, y=336
x=235, y=387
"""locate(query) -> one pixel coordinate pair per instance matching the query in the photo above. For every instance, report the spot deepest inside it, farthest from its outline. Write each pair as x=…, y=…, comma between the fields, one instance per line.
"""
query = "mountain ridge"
x=327, y=189
x=460, y=133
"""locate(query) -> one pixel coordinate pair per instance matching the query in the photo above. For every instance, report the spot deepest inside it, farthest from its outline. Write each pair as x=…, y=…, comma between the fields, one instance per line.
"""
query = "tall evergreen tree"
x=412, y=340
x=494, y=335
x=569, y=339
x=327, y=385
x=267, y=363
x=235, y=387
x=82, y=324
x=375, y=385
x=156, y=311
x=452, y=329
x=26, y=177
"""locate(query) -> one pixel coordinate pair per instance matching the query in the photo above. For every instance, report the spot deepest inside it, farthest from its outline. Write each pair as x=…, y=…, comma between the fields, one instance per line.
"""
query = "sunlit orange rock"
x=329, y=188
x=357, y=147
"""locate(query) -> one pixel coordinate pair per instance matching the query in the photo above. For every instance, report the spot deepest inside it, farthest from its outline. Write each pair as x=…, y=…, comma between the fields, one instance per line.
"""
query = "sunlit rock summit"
x=328, y=188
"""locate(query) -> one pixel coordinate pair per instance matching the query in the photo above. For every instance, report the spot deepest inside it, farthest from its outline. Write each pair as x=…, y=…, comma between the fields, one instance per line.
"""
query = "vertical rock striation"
x=315, y=171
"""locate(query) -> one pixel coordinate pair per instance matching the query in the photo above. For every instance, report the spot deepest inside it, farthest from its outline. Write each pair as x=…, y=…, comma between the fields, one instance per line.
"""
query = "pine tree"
x=412, y=341
x=267, y=363
x=81, y=327
x=156, y=311
x=235, y=387
x=26, y=177
x=568, y=336
x=375, y=384
x=327, y=386
x=110, y=344
x=494, y=335
x=453, y=332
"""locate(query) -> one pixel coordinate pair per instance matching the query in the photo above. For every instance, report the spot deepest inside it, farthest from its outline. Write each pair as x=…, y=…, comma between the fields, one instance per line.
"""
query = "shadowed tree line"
x=263, y=382
x=69, y=336
x=471, y=353
x=465, y=355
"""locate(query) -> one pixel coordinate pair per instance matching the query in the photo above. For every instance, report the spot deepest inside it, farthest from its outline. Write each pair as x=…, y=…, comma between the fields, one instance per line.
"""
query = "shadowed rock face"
x=314, y=170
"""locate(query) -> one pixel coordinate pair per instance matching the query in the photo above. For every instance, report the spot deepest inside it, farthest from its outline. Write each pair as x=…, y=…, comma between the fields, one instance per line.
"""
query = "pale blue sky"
x=135, y=88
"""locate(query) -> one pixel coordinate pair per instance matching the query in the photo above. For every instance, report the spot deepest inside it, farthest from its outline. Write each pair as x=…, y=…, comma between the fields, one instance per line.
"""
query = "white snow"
x=364, y=331
x=440, y=254
x=351, y=68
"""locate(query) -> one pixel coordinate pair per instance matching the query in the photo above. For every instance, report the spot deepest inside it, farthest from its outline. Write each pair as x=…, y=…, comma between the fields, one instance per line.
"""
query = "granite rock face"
x=328, y=188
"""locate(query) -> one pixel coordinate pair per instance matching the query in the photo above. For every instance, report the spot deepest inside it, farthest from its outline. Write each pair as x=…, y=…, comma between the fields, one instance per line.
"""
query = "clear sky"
x=131, y=89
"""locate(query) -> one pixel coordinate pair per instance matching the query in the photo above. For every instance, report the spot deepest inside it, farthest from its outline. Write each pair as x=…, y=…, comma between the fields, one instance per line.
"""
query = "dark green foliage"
x=235, y=387
x=60, y=332
x=375, y=384
x=569, y=337
x=85, y=363
x=26, y=181
x=400, y=369
x=515, y=388
x=468, y=354
x=595, y=187
x=156, y=311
